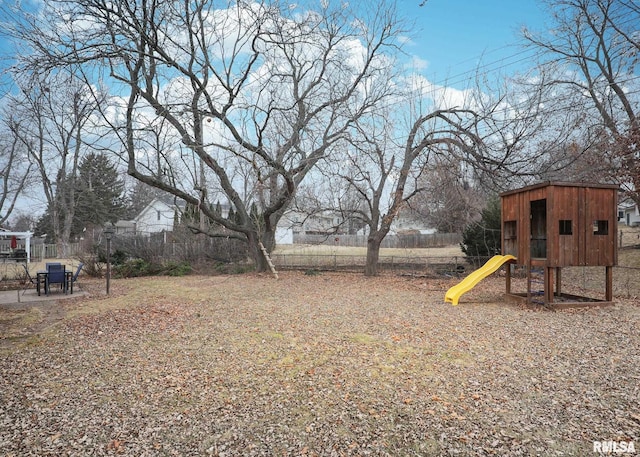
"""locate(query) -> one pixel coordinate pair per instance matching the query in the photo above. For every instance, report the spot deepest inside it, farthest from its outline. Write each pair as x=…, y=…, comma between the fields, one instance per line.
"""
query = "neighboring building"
x=318, y=223
x=158, y=216
x=628, y=213
x=125, y=227
x=409, y=221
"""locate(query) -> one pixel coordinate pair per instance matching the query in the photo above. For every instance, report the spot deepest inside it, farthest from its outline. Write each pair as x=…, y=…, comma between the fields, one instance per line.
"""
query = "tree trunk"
x=373, y=254
x=269, y=240
x=259, y=260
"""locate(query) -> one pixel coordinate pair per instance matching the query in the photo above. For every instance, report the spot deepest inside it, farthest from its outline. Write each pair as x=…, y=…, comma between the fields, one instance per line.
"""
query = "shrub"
x=133, y=268
x=139, y=267
x=177, y=268
x=482, y=240
x=92, y=265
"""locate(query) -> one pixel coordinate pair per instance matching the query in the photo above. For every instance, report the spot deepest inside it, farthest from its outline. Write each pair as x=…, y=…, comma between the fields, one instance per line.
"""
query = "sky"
x=450, y=38
x=453, y=37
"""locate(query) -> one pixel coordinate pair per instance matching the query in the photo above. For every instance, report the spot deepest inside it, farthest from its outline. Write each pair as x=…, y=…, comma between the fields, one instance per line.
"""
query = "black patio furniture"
x=31, y=281
x=56, y=273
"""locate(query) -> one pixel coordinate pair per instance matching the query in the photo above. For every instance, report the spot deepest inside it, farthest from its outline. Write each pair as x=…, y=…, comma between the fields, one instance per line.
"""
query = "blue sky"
x=451, y=37
x=454, y=36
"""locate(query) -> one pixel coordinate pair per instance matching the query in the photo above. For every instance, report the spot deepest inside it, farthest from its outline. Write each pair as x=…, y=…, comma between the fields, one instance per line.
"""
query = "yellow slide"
x=468, y=283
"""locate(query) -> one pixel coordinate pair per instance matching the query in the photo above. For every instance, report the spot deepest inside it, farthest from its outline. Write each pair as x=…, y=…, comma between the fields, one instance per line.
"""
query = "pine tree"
x=481, y=240
x=100, y=192
x=99, y=196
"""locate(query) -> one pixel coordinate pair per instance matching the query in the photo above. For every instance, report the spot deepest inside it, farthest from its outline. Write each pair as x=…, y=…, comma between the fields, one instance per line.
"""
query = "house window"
x=565, y=227
x=600, y=227
x=158, y=215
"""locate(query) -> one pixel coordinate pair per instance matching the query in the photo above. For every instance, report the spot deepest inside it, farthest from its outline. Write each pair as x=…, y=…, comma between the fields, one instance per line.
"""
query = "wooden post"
x=529, y=283
x=558, y=281
x=609, y=291
x=548, y=285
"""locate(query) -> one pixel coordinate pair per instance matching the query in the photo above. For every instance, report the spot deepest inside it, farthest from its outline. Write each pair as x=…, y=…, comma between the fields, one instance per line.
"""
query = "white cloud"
x=417, y=64
x=405, y=40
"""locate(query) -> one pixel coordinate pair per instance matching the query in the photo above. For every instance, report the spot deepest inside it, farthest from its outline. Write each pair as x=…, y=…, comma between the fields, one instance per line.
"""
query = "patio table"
x=42, y=277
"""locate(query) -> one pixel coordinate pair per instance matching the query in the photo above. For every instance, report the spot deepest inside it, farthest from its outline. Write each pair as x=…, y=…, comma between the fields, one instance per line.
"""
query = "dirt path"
x=21, y=323
x=24, y=323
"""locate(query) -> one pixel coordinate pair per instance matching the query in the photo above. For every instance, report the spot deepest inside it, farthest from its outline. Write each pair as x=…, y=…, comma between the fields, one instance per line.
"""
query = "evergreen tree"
x=44, y=226
x=482, y=240
x=98, y=197
x=100, y=192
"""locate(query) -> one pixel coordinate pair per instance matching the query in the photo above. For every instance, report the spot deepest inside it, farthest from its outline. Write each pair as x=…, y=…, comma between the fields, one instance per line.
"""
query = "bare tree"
x=387, y=174
x=15, y=168
x=451, y=196
x=627, y=155
x=593, y=51
x=49, y=117
x=275, y=88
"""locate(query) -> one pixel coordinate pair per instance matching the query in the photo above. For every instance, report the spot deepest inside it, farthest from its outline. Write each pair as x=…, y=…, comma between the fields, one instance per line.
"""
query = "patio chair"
x=74, y=278
x=30, y=280
x=56, y=275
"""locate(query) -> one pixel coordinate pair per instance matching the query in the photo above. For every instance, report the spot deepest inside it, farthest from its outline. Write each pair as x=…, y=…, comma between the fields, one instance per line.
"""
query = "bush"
x=177, y=268
x=119, y=257
x=232, y=268
x=482, y=240
x=139, y=267
x=92, y=265
x=133, y=268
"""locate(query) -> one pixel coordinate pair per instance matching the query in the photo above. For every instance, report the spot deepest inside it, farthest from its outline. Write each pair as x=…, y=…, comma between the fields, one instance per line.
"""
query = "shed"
x=552, y=225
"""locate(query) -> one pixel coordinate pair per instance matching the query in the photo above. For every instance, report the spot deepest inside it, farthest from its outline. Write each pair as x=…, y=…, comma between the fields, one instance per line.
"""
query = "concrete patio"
x=15, y=297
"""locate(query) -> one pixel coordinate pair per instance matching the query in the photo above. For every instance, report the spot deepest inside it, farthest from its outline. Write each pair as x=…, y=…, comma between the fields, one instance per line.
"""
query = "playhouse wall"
x=566, y=204
x=580, y=224
x=601, y=205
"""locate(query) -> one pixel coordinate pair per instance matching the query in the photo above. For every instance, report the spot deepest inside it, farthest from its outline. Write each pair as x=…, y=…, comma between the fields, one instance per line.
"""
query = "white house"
x=156, y=217
x=628, y=213
x=410, y=221
x=317, y=223
x=160, y=215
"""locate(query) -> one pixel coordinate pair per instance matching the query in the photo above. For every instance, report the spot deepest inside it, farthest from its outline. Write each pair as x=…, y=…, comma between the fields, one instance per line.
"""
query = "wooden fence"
x=453, y=265
x=409, y=241
x=50, y=251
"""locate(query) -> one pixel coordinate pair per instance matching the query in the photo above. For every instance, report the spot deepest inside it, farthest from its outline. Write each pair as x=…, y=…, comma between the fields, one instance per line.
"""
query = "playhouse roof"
x=560, y=184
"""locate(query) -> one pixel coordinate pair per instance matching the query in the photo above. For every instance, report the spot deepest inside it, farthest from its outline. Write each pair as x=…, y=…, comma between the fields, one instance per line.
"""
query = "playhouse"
x=552, y=225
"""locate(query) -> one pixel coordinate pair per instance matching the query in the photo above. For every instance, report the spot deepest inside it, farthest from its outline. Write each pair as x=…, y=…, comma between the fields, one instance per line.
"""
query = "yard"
x=314, y=364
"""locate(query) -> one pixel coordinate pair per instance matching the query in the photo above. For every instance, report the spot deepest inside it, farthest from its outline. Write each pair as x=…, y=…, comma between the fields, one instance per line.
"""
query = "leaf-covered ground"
x=331, y=364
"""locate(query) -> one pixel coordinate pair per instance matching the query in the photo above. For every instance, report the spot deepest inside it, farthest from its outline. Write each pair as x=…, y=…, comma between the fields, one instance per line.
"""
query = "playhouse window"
x=600, y=227
x=565, y=227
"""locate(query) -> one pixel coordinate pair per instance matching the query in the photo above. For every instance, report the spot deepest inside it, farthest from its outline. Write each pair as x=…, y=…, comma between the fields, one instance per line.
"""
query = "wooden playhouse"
x=553, y=225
